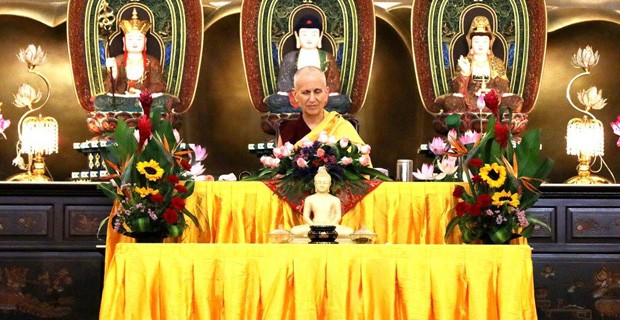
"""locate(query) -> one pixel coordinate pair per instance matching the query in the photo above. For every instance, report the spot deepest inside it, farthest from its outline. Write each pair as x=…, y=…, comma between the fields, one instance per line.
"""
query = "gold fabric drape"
x=245, y=212
x=268, y=281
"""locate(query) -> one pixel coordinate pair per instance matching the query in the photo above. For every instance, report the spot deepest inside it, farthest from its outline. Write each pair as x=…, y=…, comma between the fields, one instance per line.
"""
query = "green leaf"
x=450, y=227
x=109, y=190
x=501, y=235
x=191, y=216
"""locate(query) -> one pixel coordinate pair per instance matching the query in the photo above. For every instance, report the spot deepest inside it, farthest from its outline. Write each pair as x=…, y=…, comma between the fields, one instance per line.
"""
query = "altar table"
x=269, y=281
x=245, y=212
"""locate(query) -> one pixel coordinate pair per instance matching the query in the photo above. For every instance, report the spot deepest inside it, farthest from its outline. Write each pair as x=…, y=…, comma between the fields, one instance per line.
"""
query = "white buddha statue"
x=325, y=208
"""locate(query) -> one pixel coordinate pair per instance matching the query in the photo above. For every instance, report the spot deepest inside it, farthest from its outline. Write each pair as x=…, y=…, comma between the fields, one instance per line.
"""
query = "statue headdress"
x=134, y=24
x=480, y=26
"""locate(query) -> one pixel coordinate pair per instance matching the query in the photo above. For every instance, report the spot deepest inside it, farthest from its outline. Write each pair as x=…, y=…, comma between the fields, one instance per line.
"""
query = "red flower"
x=144, y=128
x=491, y=101
x=180, y=188
x=484, y=200
x=173, y=179
x=460, y=208
x=146, y=100
x=458, y=191
x=474, y=210
x=501, y=133
x=476, y=179
x=185, y=164
x=157, y=198
x=171, y=216
x=177, y=203
x=475, y=163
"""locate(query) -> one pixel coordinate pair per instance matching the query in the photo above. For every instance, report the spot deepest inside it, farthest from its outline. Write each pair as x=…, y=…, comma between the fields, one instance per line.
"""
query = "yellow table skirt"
x=267, y=281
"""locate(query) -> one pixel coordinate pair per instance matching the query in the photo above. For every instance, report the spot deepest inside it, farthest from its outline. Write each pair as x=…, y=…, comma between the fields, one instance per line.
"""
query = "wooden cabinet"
x=49, y=267
x=577, y=264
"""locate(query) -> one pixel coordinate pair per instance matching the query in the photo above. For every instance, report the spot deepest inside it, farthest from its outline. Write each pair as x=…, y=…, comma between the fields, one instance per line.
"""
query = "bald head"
x=309, y=71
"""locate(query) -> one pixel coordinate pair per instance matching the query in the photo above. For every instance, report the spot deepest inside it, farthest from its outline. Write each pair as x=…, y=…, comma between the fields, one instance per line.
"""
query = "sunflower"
x=144, y=192
x=151, y=169
x=493, y=174
x=499, y=198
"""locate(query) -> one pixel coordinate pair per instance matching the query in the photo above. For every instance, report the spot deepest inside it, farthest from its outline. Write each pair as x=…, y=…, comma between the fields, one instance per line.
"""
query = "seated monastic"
x=308, y=34
x=322, y=208
x=477, y=74
x=132, y=72
x=311, y=93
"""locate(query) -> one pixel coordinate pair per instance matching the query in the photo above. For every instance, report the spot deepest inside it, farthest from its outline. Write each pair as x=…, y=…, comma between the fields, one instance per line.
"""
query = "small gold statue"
x=326, y=208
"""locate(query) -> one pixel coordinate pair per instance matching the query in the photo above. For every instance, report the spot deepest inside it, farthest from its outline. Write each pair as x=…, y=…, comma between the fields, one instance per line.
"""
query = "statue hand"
x=465, y=67
x=110, y=63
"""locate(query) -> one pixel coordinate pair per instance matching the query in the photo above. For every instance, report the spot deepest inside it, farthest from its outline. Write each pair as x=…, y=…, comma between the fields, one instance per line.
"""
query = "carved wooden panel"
x=83, y=221
x=588, y=223
x=577, y=286
x=39, y=285
x=25, y=220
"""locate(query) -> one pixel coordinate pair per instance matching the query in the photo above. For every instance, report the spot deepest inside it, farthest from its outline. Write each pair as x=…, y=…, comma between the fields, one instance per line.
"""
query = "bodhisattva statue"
x=308, y=34
x=325, y=207
x=477, y=74
x=133, y=71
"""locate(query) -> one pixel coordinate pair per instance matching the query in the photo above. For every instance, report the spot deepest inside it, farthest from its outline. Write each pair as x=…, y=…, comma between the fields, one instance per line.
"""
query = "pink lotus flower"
x=447, y=165
x=427, y=173
x=469, y=137
x=277, y=152
x=365, y=149
x=274, y=163
x=197, y=169
x=266, y=161
x=364, y=160
x=480, y=102
x=616, y=127
x=344, y=142
x=438, y=146
x=200, y=153
x=302, y=163
x=346, y=161
x=3, y=125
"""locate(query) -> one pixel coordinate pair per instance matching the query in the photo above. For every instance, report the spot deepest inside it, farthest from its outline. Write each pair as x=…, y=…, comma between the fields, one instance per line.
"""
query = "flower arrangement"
x=151, y=175
x=294, y=168
x=447, y=155
x=502, y=180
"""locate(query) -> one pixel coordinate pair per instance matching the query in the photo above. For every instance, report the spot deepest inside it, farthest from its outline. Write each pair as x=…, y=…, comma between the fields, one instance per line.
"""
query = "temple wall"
x=222, y=118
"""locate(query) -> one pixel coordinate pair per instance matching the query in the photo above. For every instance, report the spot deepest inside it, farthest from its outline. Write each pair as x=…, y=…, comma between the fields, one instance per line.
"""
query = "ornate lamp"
x=585, y=139
x=585, y=136
x=38, y=136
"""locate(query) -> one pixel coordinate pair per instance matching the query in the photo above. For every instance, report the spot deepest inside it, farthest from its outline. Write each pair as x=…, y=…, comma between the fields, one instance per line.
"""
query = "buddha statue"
x=477, y=74
x=308, y=34
x=322, y=208
x=132, y=72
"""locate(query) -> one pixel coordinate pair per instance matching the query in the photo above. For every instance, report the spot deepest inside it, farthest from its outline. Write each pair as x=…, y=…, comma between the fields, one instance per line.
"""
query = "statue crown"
x=480, y=24
x=135, y=24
